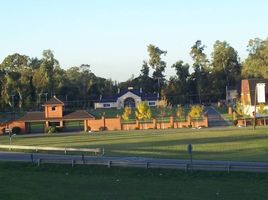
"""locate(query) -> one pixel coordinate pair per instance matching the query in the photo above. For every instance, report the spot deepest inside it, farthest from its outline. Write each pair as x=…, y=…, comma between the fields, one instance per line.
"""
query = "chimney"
x=118, y=91
x=100, y=97
x=140, y=90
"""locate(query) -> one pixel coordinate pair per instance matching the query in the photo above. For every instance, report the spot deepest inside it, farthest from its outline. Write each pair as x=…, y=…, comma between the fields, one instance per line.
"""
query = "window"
x=53, y=108
x=106, y=105
x=55, y=124
x=151, y=103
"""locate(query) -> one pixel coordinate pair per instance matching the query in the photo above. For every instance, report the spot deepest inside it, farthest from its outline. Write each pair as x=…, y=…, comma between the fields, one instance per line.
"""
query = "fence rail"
x=97, y=151
x=186, y=166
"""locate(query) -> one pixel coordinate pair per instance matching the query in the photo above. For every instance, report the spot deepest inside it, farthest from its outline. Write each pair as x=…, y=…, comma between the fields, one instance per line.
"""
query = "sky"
x=112, y=35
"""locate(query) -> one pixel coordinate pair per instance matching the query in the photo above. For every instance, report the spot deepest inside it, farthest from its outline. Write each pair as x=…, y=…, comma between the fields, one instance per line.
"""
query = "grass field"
x=236, y=144
x=27, y=181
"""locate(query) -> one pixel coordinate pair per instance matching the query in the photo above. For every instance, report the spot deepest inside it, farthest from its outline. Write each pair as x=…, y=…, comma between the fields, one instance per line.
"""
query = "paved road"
x=215, y=118
x=26, y=157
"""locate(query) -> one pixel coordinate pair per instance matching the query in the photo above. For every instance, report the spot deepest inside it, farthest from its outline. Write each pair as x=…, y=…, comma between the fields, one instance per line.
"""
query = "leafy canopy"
x=143, y=111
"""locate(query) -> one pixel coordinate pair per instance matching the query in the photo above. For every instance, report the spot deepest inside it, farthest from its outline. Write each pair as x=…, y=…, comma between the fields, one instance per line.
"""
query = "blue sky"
x=112, y=35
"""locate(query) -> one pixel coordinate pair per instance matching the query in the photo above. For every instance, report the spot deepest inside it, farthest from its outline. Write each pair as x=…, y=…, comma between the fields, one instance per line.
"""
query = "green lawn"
x=238, y=144
x=27, y=181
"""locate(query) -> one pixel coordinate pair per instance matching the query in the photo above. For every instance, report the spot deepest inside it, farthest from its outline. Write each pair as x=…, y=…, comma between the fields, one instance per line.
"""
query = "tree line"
x=26, y=82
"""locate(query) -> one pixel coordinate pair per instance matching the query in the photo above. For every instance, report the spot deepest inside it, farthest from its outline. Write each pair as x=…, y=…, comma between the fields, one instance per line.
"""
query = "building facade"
x=129, y=97
x=249, y=94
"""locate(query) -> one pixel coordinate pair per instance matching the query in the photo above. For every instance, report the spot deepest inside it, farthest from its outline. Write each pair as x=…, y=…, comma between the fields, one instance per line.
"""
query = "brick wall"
x=115, y=124
x=13, y=124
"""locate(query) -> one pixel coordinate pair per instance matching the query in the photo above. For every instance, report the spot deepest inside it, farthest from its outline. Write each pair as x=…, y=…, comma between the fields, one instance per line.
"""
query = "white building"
x=129, y=97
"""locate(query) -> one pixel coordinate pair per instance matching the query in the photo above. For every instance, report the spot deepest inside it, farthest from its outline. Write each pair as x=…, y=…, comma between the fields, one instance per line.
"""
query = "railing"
x=97, y=151
x=186, y=165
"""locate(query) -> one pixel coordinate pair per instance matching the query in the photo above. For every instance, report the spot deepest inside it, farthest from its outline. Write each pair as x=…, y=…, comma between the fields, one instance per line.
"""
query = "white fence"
x=97, y=151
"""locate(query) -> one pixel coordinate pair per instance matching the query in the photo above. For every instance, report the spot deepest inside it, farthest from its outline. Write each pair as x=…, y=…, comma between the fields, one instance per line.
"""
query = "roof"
x=79, y=114
x=252, y=85
x=33, y=116
x=144, y=96
x=54, y=101
x=40, y=116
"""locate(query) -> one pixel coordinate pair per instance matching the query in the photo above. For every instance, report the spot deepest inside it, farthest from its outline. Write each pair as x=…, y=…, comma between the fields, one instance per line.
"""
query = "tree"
x=200, y=67
x=256, y=64
x=164, y=107
x=225, y=65
x=182, y=70
x=49, y=65
x=180, y=113
x=241, y=110
x=195, y=112
x=143, y=111
x=145, y=70
x=157, y=64
x=126, y=114
x=144, y=80
x=262, y=111
x=16, y=81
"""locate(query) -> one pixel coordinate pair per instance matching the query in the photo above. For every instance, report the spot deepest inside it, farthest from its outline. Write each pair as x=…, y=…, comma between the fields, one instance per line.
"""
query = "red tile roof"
x=40, y=116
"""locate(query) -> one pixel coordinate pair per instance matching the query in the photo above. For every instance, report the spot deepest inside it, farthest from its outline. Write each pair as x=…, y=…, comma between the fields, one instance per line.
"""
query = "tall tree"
x=157, y=63
x=200, y=67
x=50, y=64
x=256, y=64
x=225, y=66
x=182, y=70
x=16, y=81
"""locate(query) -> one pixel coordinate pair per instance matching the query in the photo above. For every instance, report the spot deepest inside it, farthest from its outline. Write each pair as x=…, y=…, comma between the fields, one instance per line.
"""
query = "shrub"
x=190, y=126
x=16, y=130
x=3, y=130
x=51, y=129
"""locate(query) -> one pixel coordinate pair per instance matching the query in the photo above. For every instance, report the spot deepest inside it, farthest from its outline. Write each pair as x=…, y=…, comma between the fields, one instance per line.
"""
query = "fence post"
x=39, y=162
x=229, y=168
x=73, y=162
x=32, y=157
x=109, y=164
x=147, y=165
x=83, y=158
x=186, y=167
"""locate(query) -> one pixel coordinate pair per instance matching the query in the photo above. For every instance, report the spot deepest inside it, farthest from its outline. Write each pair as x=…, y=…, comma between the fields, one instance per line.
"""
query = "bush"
x=51, y=129
x=190, y=126
x=16, y=130
x=3, y=130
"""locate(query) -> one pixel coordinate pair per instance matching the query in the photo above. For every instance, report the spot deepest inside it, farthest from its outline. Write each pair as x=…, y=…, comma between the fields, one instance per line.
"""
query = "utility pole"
x=13, y=103
x=255, y=99
x=46, y=96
